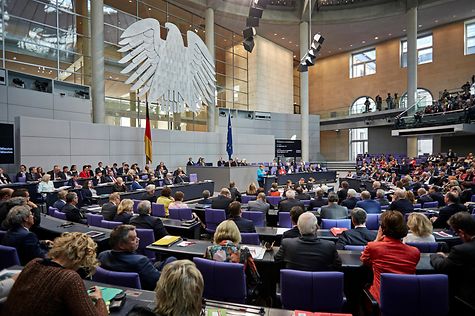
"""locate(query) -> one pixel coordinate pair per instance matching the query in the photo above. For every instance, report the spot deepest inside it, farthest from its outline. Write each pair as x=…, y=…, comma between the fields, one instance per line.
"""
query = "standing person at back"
x=333, y=210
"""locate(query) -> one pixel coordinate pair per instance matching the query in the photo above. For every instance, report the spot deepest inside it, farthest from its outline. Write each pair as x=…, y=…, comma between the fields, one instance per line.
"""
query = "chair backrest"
x=417, y=205
x=434, y=204
x=273, y=200
x=110, y=224
x=411, y=295
x=218, y=276
x=340, y=223
x=193, y=177
x=372, y=221
x=146, y=237
x=158, y=210
x=427, y=247
x=312, y=291
x=250, y=238
x=59, y=214
x=213, y=217
x=51, y=210
x=384, y=207
x=127, y=279
x=257, y=217
x=94, y=219
x=8, y=257
x=354, y=248
x=21, y=179
x=246, y=198
x=180, y=213
x=136, y=204
x=472, y=199
x=305, y=202
x=284, y=220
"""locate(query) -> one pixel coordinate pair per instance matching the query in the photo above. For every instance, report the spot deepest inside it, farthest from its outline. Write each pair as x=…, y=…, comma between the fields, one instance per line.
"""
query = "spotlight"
x=249, y=32
x=248, y=44
x=252, y=22
x=262, y=4
x=302, y=67
x=310, y=57
x=255, y=12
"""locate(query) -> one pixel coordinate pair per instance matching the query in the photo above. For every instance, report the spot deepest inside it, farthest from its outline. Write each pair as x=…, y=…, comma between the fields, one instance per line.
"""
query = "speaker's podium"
x=242, y=175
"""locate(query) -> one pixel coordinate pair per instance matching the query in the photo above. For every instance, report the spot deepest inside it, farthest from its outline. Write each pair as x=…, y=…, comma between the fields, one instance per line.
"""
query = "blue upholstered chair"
x=213, y=217
x=127, y=279
x=182, y=214
x=425, y=247
x=246, y=198
x=284, y=220
x=59, y=214
x=158, y=210
x=146, y=237
x=372, y=221
x=110, y=224
x=94, y=219
x=8, y=257
x=257, y=217
x=273, y=200
x=434, y=204
x=312, y=291
x=250, y=239
x=339, y=223
x=354, y=248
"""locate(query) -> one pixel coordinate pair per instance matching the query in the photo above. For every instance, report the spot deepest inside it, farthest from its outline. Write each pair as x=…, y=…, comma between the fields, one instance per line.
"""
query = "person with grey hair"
x=7, y=206
x=123, y=258
x=19, y=221
x=287, y=204
x=381, y=197
x=149, y=194
x=145, y=220
x=73, y=214
x=307, y=252
x=370, y=206
x=333, y=210
x=205, y=200
x=401, y=203
x=351, y=200
x=222, y=201
x=259, y=204
x=168, y=179
x=360, y=235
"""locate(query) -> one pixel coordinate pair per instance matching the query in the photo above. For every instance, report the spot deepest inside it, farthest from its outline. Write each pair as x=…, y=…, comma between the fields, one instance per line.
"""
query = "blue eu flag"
x=229, y=145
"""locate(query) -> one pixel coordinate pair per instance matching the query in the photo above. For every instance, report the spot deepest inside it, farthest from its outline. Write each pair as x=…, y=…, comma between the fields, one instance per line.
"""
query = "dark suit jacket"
x=73, y=214
x=287, y=204
x=108, y=211
x=403, y=206
x=302, y=196
x=370, y=206
x=439, y=197
x=445, y=213
x=245, y=225
x=131, y=262
x=424, y=198
x=62, y=175
x=26, y=244
x=119, y=188
x=205, y=201
x=308, y=253
x=350, y=203
x=333, y=211
x=149, y=197
x=32, y=176
x=291, y=233
x=123, y=218
x=221, y=202
x=460, y=266
x=59, y=204
x=166, y=181
x=359, y=236
x=150, y=222
x=72, y=183
x=235, y=194
x=86, y=196
x=342, y=194
x=318, y=202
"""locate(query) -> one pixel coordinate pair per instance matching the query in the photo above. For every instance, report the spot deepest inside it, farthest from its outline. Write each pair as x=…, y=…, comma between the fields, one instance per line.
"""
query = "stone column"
x=209, y=39
x=411, y=53
x=304, y=92
x=97, y=54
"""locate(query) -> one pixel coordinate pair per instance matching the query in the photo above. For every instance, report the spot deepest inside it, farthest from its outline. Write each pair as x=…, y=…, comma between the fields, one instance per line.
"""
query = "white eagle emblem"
x=179, y=78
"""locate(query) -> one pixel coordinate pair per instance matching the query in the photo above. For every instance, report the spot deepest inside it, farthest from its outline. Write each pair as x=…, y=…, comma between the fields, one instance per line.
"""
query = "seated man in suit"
x=146, y=221
x=381, y=198
x=287, y=204
x=73, y=214
x=259, y=204
x=459, y=264
x=370, y=206
x=168, y=179
x=235, y=194
x=423, y=197
x=122, y=257
x=109, y=209
x=119, y=186
x=244, y=225
x=61, y=201
x=135, y=183
x=360, y=235
x=436, y=195
x=319, y=201
x=295, y=213
x=222, y=201
x=400, y=203
x=205, y=199
x=333, y=210
x=453, y=206
x=73, y=182
x=19, y=220
x=149, y=194
x=307, y=252
x=351, y=200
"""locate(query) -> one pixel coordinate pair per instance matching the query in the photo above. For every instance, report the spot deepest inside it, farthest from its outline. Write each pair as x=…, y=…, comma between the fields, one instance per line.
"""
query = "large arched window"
x=423, y=95
x=359, y=107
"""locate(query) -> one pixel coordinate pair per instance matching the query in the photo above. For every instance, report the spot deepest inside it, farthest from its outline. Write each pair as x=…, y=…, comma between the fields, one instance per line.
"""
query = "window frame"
x=465, y=38
x=419, y=36
x=352, y=65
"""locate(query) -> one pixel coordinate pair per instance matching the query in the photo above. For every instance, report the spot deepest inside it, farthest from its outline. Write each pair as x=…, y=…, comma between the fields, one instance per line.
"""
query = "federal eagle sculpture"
x=179, y=78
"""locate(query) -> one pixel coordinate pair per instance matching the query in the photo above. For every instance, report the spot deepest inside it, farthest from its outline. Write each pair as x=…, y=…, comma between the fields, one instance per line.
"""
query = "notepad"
x=337, y=230
x=216, y=312
x=167, y=241
x=108, y=293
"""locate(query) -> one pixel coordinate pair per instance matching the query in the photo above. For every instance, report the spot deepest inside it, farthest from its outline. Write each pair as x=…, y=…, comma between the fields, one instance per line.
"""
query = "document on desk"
x=8, y=273
x=257, y=252
x=281, y=230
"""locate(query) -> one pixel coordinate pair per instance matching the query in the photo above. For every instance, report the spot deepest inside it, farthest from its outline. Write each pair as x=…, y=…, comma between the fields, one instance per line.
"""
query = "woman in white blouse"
x=45, y=185
x=420, y=229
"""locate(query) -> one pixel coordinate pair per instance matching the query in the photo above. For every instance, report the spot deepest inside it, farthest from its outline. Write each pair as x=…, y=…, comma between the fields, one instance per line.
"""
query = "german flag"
x=147, y=137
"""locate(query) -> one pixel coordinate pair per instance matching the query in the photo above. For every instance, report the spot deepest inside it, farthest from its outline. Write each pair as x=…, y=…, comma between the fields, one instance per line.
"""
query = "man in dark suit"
x=446, y=212
x=168, y=179
x=73, y=182
x=319, y=201
x=144, y=220
x=351, y=200
x=459, y=264
x=400, y=203
x=423, y=197
x=73, y=214
x=55, y=173
x=109, y=209
x=99, y=168
x=360, y=235
x=259, y=204
x=205, y=199
x=19, y=221
x=343, y=192
x=109, y=178
x=119, y=186
x=436, y=195
x=61, y=201
x=65, y=175
x=235, y=194
x=333, y=210
x=295, y=213
x=245, y=225
x=149, y=194
x=222, y=201
x=307, y=252
x=287, y=204
x=4, y=177
x=300, y=195
x=370, y=206
x=122, y=257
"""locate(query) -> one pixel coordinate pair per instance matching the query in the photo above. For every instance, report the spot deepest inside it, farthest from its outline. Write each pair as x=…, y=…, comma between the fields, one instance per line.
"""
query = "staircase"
x=341, y=165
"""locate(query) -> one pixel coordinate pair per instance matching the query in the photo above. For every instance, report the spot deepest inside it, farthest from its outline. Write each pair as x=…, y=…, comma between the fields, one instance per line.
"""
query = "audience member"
x=343, y=191
x=244, y=225
x=387, y=254
x=135, y=183
x=178, y=203
x=420, y=229
x=308, y=252
x=73, y=214
x=125, y=211
x=333, y=210
x=21, y=175
x=360, y=235
x=222, y=201
x=61, y=201
x=351, y=200
x=453, y=206
x=235, y=194
x=32, y=174
x=252, y=189
x=165, y=198
x=122, y=257
x=287, y=204
x=6, y=286
x=259, y=204
x=319, y=200
x=144, y=220
x=381, y=198
x=45, y=185
x=5, y=195
x=109, y=209
x=168, y=180
x=149, y=194
x=274, y=190
x=52, y=287
x=295, y=213
x=23, y=193
x=205, y=200
x=370, y=206
x=300, y=195
x=88, y=192
x=401, y=203
x=119, y=185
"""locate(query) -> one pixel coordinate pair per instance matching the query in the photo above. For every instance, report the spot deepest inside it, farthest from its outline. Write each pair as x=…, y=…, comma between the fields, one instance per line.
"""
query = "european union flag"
x=229, y=145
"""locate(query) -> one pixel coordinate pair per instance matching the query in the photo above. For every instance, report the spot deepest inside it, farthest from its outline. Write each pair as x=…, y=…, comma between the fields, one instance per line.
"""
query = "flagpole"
x=147, y=134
